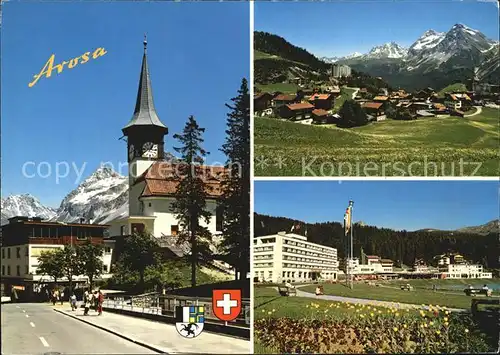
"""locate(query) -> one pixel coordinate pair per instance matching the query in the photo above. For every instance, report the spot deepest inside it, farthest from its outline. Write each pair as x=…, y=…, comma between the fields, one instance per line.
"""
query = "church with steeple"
x=152, y=179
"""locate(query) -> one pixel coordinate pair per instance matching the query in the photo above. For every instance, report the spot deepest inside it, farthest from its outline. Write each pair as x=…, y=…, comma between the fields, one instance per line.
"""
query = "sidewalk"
x=158, y=336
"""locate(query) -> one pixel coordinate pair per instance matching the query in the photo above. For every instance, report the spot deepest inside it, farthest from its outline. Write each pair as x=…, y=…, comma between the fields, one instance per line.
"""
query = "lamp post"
x=351, y=204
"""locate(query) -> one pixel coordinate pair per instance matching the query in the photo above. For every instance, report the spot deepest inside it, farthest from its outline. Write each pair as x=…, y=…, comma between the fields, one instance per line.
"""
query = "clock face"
x=131, y=151
x=150, y=150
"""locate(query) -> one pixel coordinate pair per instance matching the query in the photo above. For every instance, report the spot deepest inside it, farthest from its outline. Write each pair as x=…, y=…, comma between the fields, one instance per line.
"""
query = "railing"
x=165, y=305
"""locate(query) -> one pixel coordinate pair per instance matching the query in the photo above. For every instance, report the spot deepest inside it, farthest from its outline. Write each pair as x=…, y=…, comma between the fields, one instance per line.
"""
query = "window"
x=8, y=269
x=149, y=204
x=122, y=230
x=18, y=270
x=27, y=253
x=174, y=230
x=27, y=270
x=8, y=254
x=137, y=227
x=3, y=253
x=18, y=252
x=107, y=250
x=3, y=269
x=105, y=268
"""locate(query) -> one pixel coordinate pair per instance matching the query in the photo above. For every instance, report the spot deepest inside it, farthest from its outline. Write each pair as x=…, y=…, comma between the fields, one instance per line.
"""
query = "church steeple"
x=145, y=113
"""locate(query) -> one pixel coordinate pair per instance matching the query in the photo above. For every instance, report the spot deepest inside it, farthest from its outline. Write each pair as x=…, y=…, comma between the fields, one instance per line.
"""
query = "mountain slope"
x=24, y=205
x=490, y=227
x=435, y=59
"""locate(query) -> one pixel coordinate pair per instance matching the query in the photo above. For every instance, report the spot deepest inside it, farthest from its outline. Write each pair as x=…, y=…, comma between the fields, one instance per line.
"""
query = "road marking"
x=16, y=307
x=44, y=342
x=27, y=316
x=32, y=324
x=24, y=311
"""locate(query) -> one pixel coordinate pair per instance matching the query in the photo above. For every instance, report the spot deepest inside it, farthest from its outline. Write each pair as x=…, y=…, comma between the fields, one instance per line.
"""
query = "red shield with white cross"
x=226, y=304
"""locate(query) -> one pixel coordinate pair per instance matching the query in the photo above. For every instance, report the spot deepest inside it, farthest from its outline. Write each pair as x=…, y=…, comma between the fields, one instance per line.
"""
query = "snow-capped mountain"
x=336, y=59
x=24, y=205
x=98, y=196
x=428, y=40
x=387, y=50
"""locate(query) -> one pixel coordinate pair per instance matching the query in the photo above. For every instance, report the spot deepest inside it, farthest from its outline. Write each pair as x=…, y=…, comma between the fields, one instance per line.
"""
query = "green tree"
x=71, y=263
x=166, y=274
x=140, y=250
x=90, y=255
x=391, y=112
x=236, y=186
x=51, y=264
x=352, y=115
x=190, y=203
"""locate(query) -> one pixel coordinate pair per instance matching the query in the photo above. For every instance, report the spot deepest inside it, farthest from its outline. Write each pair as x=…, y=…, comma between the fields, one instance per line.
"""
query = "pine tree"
x=190, y=205
x=236, y=186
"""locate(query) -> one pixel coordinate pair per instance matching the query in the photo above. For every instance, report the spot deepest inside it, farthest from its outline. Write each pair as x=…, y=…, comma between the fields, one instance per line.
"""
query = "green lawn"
x=450, y=146
x=450, y=285
x=451, y=88
x=345, y=94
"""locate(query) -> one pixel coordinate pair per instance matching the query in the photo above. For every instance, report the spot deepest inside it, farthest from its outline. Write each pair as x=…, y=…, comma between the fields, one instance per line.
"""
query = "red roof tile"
x=375, y=105
x=300, y=106
x=320, y=97
x=380, y=98
x=319, y=112
x=284, y=97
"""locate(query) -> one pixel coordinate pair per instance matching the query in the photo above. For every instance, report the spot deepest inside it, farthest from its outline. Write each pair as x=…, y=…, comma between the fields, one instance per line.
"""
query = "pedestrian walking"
x=86, y=303
x=54, y=297
x=73, y=301
x=96, y=301
x=61, y=297
x=100, y=301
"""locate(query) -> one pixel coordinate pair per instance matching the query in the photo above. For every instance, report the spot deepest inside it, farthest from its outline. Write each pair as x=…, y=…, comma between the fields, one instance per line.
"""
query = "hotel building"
x=289, y=257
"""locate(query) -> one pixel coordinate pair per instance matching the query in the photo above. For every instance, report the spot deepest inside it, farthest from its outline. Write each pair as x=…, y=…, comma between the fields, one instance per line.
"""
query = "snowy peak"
x=387, y=50
x=96, y=197
x=428, y=40
x=24, y=205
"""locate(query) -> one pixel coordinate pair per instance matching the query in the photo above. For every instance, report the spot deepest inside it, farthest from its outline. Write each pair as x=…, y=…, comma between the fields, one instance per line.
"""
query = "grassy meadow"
x=448, y=146
x=305, y=325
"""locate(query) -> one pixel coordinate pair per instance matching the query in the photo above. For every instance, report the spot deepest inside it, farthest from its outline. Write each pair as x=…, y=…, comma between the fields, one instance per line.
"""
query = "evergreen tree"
x=236, y=186
x=352, y=115
x=190, y=205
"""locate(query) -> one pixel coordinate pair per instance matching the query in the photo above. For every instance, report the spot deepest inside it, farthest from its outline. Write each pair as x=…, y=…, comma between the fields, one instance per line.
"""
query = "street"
x=35, y=328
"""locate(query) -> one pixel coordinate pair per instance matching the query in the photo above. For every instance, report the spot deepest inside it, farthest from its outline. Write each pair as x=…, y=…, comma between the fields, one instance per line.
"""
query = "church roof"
x=145, y=112
x=162, y=179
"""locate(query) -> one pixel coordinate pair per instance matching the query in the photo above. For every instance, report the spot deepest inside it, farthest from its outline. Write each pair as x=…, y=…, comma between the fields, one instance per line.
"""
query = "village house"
x=297, y=111
x=282, y=99
x=322, y=101
x=321, y=116
x=421, y=95
x=375, y=110
x=452, y=102
x=439, y=109
x=262, y=101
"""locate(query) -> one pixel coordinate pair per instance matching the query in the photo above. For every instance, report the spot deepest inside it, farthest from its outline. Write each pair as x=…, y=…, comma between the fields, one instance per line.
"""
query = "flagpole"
x=351, y=203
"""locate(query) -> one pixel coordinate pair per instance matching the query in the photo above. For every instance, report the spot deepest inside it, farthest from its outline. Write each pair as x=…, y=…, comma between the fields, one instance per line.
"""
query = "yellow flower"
x=438, y=332
x=371, y=314
x=362, y=316
x=445, y=324
x=357, y=311
x=447, y=312
x=405, y=326
x=269, y=312
x=397, y=314
x=431, y=323
x=445, y=319
x=466, y=330
x=395, y=329
x=421, y=325
x=379, y=311
x=274, y=310
x=307, y=306
x=425, y=325
x=263, y=311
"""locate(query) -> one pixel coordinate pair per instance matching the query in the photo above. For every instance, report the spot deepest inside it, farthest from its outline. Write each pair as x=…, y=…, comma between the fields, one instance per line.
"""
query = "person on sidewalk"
x=54, y=297
x=61, y=296
x=73, y=301
x=86, y=303
x=100, y=301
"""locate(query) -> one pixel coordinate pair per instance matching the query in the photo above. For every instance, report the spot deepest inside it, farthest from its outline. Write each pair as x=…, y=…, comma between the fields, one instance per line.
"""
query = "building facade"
x=289, y=257
x=340, y=71
x=24, y=239
x=153, y=181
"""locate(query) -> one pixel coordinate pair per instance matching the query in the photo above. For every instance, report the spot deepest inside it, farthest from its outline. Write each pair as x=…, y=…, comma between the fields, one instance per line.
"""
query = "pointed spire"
x=145, y=112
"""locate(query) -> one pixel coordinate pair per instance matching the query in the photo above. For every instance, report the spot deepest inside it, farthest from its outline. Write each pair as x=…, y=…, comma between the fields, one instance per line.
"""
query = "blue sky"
x=341, y=28
x=409, y=205
x=197, y=53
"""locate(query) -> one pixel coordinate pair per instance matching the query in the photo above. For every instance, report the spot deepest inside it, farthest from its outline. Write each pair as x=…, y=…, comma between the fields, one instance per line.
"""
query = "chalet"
x=465, y=99
x=421, y=96
x=374, y=109
x=418, y=106
x=381, y=98
x=283, y=99
x=321, y=116
x=297, y=111
x=423, y=113
x=262, y=101
x=384, y=92
x=439, y=109
x=452, y=102
x=322, y=101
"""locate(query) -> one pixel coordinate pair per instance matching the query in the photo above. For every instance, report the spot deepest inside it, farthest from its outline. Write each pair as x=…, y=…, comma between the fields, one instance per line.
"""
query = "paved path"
x=479, y=109
x=160, y=336
x=34, y=328
x=301, y=293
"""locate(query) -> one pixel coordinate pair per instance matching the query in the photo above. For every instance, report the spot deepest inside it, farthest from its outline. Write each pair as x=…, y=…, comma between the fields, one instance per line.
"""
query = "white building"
x=24, y=239
x=374, y=265
x=153, y=181
x=340, y=71
x=290, y=257
x=465, y=271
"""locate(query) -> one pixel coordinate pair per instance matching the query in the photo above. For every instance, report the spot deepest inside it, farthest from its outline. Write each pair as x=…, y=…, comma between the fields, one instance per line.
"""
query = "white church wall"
x=134, y=203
